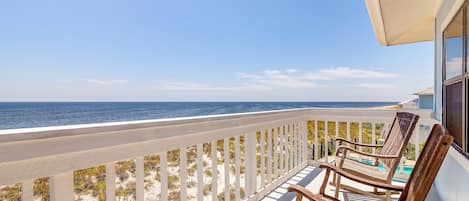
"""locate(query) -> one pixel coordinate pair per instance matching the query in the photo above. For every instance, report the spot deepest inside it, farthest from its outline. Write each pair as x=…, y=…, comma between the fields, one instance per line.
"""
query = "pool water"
x=407, y=169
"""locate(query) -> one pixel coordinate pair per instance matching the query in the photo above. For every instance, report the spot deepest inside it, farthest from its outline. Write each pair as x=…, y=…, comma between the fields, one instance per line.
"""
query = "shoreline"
x=21, y=115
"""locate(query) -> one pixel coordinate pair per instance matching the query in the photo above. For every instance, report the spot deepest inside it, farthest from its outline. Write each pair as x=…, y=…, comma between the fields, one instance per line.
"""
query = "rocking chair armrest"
x=361, y=179
x=304, y=192
x=382, y=156
x=358, y=144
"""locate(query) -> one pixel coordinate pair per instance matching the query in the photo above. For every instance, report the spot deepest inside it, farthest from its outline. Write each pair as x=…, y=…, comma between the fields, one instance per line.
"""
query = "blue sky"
x=202, y=50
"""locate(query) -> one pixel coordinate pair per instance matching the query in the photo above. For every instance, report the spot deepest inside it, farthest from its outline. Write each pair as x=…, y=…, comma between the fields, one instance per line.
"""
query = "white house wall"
x=453, y=179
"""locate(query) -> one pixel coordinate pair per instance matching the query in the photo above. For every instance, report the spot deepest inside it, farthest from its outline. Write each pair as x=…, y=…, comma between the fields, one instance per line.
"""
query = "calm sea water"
x=39, y=114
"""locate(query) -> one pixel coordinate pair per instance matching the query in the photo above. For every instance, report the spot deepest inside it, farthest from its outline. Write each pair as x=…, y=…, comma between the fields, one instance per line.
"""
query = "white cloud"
x=275, y=78
x=293, y=78
x=292, y=70
x=106, y=82
x=347, y=73
x=374, y=86
x=180, y=86
x=286, y=79
x=288, y=84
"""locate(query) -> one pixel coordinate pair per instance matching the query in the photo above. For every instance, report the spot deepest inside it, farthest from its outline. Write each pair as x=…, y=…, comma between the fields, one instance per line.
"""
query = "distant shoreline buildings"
x=424, y=100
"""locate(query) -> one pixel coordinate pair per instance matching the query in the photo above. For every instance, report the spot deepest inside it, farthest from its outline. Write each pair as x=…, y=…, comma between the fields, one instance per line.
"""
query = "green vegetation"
x=11, y=192
x=41, y=189
x=342, y=132
x=410, y=153
x=90, y=181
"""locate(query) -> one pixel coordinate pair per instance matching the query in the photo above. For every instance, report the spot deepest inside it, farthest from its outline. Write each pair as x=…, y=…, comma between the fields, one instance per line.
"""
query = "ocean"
x=39, y=114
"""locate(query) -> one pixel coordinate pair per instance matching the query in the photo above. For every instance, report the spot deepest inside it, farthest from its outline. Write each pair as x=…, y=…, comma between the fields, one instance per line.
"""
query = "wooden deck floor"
x=312, y=177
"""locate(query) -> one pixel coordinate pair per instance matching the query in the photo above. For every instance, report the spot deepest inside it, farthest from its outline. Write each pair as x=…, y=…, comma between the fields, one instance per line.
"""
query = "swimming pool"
x=397, y=175
x=407, y=169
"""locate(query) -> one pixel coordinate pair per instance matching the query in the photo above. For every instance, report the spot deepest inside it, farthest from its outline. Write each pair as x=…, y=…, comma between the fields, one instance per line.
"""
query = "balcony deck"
x=282, y=143
x=312, y=178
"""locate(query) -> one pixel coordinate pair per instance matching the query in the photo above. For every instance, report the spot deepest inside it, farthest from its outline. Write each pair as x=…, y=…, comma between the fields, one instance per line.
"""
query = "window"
x=467, y=116
x=454, y=47
x=456, y=79
x=454, y=111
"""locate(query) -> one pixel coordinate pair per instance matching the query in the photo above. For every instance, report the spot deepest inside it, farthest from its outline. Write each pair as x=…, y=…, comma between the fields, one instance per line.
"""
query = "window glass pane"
x=454, y=111
x=453, y=47
x=467, y=37
x=467, y=116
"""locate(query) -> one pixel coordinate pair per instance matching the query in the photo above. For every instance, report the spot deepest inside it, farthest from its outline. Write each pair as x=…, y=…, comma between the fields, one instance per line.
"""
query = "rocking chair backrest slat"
x=398, y=137
x=427, y=165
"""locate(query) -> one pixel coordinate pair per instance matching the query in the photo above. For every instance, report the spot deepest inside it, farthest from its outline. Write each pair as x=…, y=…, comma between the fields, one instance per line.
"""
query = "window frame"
x=463, y=78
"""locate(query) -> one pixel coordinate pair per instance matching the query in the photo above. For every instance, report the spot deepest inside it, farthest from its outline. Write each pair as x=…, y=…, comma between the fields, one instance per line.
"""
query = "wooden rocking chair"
x=389, y=155
x=419, y=183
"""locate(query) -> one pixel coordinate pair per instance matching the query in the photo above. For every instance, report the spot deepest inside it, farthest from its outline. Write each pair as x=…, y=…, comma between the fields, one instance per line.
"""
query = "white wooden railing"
x=269, y=146
x=372, y=118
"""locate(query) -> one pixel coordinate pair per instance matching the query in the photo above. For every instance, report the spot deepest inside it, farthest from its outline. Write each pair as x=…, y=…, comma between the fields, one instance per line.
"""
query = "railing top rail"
x=81, y=129
x=370, y=112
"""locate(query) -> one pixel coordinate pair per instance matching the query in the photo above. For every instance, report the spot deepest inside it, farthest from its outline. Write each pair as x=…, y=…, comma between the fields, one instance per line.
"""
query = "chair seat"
x=368, y=171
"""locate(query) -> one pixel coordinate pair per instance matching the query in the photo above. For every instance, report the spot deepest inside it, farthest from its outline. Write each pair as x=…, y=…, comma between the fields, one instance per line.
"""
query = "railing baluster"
x=200, y=173
x=183, y=173
x=417, y=141
x=282, y=150
x=27, y=192
x=294, y=146
x=237, y=169
x=326, y=137
x=298, y=146
x=287, y=154
x=269, y=155
x=289, y=149
x=360, y=134
x=305, y=141
x=316, y=144
x=300, y=143
x=226, y=156
x=292, y=139
x=285, y=149
x=61, y=187
x=110, y=181
x=164, y=175
x=262, y=168
x=276, y=152
x=139, y=176
x=373, y=136
x=334, y=142
x=214, y=170
x=336, y=130
x=348, y=130
x=401, y=166
x=251, y=166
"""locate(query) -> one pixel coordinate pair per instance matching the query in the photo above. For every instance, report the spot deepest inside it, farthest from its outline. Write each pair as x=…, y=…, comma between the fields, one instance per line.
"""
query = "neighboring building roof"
x=403, y=21
x=426, y=92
